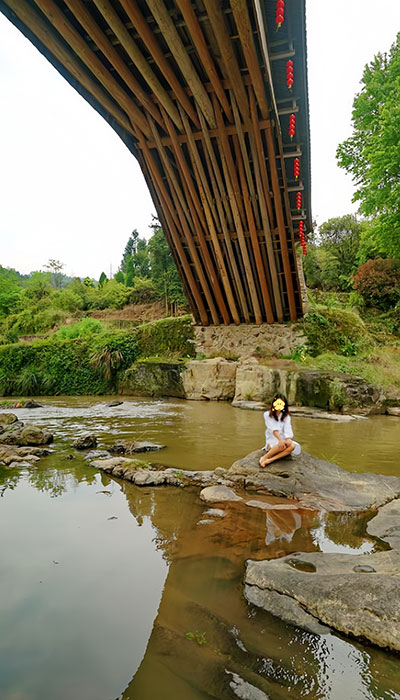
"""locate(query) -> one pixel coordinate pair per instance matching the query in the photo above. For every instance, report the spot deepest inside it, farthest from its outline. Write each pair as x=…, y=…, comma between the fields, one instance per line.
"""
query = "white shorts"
x=296, y=451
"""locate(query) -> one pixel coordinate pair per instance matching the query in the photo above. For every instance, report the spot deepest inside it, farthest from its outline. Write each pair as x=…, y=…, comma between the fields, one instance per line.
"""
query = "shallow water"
x=112, y=591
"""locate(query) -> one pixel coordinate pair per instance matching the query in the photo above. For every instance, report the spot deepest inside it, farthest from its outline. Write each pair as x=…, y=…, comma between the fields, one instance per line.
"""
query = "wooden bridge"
x=211, y=97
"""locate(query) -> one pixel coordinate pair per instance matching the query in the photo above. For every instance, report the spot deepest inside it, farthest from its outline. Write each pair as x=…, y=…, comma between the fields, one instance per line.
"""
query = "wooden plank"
x=206, y=199
x=245, y=156
x=243, y=23
x=132, y=10
x=184, y=217
x=253, y=235
x=130, y=46
x=191, y=196
x=234, y=195
x=217, y=21
x=281, y=224
x=193, y=26
x=212, y=167
x=73, y=38
x=86, y=20
x=169, y=211
x=171, y=36
x=31, y=18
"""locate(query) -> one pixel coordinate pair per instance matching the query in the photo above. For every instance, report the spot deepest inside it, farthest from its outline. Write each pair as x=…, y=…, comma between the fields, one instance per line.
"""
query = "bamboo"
x=191, y=194
x=228, y=57
x=130, y=46
x=73, y=38
x=260, y=172
x=234, y=194
x=50, y=40
x=148, y=38
x=168, y=208
x=193, y=26
x=254, y=239
x=245, y=156
x=86, y=20
x=182, y=58
x=181, y=206
x=243, y=23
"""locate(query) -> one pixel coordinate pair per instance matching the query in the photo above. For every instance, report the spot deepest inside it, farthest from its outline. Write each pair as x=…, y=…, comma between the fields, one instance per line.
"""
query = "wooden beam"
x=193, y=26
x=148, y=38
x=243, y=23
x=86, y=20
x=245, y=155
x=171, y=36
x=131, y=48
x=169, y=211
x=218, y=24
x=74, y=39
x=184, y=217
x=40, y=28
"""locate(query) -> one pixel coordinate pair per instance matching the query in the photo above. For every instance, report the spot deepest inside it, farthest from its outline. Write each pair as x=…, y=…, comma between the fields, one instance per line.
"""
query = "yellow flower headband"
x=278, y=405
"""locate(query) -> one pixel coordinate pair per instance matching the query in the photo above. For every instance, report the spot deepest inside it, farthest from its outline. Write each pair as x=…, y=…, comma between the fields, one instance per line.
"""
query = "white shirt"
x=283, y=426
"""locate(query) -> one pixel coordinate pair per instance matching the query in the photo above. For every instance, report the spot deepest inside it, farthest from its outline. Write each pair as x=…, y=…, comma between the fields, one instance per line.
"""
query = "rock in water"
x=8, y=418
x=126, y=447
x=338, y=591
x=25, y=435
x=32, y=404
x=86, y=442
x=216, y=494
x=386, y=524
x=113, y=404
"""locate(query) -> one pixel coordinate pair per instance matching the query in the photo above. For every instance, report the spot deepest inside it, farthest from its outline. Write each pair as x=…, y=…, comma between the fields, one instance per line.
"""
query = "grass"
x=380, y=365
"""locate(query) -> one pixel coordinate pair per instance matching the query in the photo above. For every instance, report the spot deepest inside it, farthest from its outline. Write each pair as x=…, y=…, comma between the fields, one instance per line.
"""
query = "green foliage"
x=372, y=153
x=68, y=300
x=143, y=291
x=82, y=329
x=102, y=279
x=163, y=269
x=112, y=295
x=166, y=336
x=378, y=282
x=55, y=268
x=130, y=273
x=335, y=330
x=120, y=277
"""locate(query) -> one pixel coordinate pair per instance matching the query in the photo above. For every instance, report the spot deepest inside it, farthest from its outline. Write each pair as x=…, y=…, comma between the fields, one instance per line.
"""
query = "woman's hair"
x=285, y=410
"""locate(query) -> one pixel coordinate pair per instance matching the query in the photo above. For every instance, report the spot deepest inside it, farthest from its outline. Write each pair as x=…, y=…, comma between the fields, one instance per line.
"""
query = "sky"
x=71, y=190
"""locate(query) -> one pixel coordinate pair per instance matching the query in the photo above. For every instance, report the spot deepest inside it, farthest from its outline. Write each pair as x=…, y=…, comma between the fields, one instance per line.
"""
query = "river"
x=110, y=591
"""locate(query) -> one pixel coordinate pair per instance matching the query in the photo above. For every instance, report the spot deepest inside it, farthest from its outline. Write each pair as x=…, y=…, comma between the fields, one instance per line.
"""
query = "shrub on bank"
x=378, y=282
x=335, y=330
x=93, y=364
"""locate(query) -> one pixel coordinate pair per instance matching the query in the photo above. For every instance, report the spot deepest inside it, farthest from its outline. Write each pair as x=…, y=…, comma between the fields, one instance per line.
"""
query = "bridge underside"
x=197, y=90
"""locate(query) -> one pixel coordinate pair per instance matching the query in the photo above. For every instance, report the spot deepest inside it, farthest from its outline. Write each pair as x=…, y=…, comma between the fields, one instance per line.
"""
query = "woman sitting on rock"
x=279, y=433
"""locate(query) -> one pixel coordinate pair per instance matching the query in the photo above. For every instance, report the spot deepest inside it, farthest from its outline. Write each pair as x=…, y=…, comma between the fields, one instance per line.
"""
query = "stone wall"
x=240, y=341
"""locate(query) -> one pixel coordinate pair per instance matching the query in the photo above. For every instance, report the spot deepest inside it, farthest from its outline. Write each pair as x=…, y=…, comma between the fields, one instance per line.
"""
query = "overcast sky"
x=71, y=190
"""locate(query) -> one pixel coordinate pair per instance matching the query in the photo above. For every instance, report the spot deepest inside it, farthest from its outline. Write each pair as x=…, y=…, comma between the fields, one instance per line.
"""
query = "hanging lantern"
x=292, y=126
x=289, y=74
x=298, y=200
x=279, y=13
x=296, y=168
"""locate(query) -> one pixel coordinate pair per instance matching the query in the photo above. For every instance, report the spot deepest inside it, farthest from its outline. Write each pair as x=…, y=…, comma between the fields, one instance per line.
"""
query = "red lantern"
x=289, y=74
x=298, y=200
x=279, y=13
x=296, y=168
x=292, y=126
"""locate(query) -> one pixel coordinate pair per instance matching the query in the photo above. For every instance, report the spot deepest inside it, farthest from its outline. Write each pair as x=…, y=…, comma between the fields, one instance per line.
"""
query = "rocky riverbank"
x=358, y=594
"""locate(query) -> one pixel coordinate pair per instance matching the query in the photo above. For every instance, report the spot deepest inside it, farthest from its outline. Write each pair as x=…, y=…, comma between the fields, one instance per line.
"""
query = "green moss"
x=166, y=337
x=335, y=330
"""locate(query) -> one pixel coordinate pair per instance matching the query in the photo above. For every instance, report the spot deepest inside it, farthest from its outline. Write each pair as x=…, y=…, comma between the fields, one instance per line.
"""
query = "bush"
x=82, y=329
x=335, y=330
x=166, y=336
x=378, y=282
x=143, y=291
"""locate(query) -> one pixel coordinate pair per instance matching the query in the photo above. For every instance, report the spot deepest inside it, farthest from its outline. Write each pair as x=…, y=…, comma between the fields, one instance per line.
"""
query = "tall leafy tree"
x=55, y=267
x=102, y=279
x=372, y=153
x=130, y=249
x=163, y=269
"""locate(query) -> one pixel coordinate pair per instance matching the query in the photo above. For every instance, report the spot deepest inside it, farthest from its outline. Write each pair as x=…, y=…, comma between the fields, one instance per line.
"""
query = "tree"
x=340, y=237
x=120, y=277
x=163, y=269
x=130, y=272
x=372, y=153
x=55, y=268
x=130, y=249
x=102, y=279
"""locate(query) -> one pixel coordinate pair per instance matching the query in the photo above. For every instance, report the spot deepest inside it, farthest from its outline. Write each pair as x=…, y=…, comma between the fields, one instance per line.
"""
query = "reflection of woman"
x=279, y=433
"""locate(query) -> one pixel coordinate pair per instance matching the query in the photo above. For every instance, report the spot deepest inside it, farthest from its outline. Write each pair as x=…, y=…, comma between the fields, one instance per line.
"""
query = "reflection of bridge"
x=201, y=92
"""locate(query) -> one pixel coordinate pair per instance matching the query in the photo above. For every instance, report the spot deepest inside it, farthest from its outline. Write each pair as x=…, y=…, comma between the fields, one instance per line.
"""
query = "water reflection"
x=113, y=590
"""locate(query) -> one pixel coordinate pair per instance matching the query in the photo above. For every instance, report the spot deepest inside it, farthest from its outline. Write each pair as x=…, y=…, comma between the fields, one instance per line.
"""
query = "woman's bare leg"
x=284, y=453
x=271, y=453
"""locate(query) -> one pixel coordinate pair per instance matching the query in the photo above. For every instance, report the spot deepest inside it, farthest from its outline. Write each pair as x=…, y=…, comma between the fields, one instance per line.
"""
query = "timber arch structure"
x=197, y=90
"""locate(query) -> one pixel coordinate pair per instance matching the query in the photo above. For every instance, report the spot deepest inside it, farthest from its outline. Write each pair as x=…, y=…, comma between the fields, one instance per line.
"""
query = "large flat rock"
x=358, y=595
x=386, y=524
x=318, y=484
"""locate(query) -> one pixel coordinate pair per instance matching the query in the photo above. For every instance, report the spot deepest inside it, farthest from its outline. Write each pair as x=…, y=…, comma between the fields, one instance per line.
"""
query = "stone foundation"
x=233, y=342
